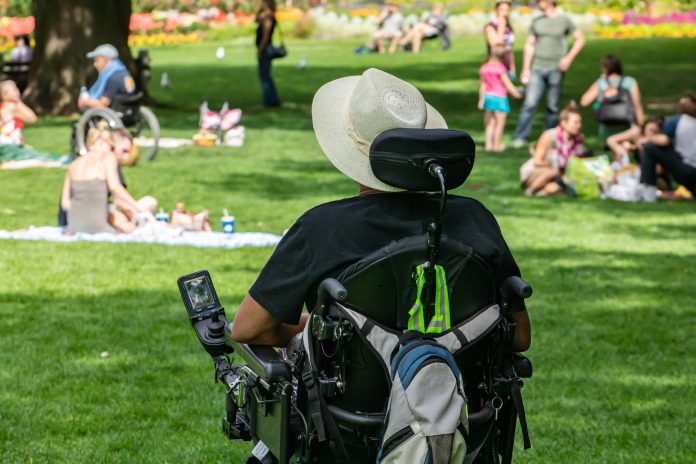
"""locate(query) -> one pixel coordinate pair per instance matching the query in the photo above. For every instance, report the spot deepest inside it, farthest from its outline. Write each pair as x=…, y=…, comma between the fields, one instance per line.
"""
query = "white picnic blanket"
x=159, y=235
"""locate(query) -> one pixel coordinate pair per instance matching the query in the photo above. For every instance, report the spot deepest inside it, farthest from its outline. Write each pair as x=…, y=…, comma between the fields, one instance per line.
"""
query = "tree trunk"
x=65, y=32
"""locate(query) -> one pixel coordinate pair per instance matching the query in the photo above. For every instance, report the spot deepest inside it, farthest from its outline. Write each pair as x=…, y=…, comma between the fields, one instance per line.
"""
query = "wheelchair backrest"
x=381, y=287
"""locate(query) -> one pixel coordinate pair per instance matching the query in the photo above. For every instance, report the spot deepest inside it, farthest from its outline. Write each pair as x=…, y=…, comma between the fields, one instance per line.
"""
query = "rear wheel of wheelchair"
x=90, y=119
x=147, y=134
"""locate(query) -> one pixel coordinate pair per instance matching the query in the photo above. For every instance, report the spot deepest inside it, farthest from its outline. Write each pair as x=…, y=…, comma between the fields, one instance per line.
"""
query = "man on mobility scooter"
x=379, y=131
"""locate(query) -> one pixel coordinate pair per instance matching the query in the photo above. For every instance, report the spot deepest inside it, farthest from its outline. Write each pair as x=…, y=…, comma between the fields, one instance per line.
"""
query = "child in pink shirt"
x=493, y=99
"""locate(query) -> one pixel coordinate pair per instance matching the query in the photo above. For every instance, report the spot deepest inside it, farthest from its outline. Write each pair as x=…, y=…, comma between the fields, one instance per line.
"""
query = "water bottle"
x=84, y=94
x=162, y=216
x=227, y=222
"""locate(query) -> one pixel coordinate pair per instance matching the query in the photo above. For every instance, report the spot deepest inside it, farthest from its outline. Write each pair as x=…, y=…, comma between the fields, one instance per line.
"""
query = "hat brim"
x=329, y=117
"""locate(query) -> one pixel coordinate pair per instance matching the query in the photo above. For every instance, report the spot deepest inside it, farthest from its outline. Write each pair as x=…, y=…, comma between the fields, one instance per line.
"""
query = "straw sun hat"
x=350, y=112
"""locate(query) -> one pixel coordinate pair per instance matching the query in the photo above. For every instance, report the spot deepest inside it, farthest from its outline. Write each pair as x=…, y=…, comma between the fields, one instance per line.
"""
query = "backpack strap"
x=471, y=330
x=384, y=341
x=516, y=394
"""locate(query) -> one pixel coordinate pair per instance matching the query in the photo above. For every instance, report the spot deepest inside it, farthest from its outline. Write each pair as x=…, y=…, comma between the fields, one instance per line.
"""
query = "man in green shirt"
x=546, y=59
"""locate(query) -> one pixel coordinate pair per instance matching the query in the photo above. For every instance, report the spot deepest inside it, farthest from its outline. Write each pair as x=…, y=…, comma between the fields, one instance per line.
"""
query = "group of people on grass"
x=616, y=99
x=94, y=198
x=665, y=149
x=394, y=30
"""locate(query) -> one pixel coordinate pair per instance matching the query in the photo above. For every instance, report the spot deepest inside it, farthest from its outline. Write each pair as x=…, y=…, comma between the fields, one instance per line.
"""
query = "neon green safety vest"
x=440, y=321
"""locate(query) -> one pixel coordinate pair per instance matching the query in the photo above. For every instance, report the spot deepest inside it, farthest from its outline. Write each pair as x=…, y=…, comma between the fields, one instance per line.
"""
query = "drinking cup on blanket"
x=227, y=223
x=162, y=216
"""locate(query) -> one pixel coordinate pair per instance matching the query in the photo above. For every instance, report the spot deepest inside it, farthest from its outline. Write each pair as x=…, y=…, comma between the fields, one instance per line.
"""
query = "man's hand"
x=524, y=76
x=565, y=63
x=82, y=102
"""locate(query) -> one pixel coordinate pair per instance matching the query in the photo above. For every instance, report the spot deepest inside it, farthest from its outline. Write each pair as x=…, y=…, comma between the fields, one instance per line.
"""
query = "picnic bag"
x=617, y=108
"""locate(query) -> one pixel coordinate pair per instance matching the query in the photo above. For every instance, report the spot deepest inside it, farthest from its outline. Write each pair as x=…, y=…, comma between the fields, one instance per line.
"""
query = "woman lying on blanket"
x=543, y=174
x=88, y=183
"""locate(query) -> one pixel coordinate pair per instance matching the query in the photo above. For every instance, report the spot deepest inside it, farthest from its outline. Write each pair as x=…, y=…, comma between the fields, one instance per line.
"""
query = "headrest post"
x=434, y=235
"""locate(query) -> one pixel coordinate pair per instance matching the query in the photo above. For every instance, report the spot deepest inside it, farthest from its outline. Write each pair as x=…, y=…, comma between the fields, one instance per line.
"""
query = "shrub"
x=304, y=27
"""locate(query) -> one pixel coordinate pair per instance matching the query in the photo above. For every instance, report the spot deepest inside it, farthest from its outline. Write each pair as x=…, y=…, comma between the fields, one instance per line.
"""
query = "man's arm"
x=254, y=325
x=527, y=57
x=523, y=332
x=90, y=103
x=566, y=62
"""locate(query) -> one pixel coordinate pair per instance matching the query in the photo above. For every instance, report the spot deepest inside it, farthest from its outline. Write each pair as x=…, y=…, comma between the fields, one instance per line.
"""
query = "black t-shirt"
x=120, y=83
x=330, y=237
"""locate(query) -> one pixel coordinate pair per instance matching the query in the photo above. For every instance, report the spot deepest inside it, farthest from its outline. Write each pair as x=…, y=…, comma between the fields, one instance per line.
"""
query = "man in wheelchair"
x=385, y=281
x=114, y=79
x=115, y=99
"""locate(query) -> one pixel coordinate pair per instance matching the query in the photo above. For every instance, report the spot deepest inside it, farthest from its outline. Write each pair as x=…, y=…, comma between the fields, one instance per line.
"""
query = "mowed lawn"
x=613, y=310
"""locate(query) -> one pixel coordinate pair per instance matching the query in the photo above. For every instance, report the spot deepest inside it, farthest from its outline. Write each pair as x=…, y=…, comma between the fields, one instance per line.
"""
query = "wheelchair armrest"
x=523, y=366
x=515, y=286
x=263, y=360
x=331, y=289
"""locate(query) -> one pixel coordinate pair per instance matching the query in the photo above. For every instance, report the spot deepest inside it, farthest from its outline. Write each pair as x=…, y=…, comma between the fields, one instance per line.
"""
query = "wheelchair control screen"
x=199, y=295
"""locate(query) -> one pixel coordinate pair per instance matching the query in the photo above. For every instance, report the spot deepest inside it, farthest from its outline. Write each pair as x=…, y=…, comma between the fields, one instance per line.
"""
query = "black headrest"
x=398, y=157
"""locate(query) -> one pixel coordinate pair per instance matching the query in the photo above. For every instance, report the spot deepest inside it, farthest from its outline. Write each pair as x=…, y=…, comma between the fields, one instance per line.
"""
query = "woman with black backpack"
x=616, y=100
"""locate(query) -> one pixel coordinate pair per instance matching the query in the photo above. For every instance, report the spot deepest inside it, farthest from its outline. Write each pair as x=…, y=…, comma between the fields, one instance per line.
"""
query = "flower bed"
x=172, y=27
x=642, y=31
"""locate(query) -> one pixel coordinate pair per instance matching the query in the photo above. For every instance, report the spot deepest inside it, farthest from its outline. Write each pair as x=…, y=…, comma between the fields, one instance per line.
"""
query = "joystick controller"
x=205, y=312
x=216, y=327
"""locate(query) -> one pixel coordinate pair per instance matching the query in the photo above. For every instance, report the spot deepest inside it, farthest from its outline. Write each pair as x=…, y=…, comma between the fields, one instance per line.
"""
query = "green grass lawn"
x=614, y=295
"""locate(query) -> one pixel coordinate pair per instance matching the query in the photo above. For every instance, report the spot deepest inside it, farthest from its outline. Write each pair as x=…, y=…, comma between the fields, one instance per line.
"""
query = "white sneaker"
x=518, y=143
x=648, y=193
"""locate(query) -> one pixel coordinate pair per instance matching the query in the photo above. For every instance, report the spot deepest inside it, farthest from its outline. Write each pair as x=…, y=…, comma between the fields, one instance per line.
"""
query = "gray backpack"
x=426, y=420
x=427, y=413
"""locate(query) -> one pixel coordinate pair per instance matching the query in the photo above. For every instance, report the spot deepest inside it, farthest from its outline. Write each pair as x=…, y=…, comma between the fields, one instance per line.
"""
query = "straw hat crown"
x=350, y=112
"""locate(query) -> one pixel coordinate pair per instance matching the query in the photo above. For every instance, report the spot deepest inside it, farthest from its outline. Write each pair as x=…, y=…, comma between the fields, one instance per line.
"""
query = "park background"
x=613, y=309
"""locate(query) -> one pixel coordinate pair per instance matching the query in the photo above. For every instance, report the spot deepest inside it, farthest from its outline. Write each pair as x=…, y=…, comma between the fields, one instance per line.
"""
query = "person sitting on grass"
x=611, y=82
x=120, y=215
x=674, y=149
x=426, y=29
x=390, y=24
x=89, y=181
x=493, y=99
x=14, y=114
x=623, y=143
x=542, y=175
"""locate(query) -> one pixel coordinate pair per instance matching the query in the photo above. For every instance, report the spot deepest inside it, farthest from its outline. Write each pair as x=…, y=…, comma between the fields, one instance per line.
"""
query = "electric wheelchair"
x=324, y=397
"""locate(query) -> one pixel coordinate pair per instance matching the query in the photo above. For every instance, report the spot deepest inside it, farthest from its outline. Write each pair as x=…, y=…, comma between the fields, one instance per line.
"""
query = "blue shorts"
x=496, y=103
